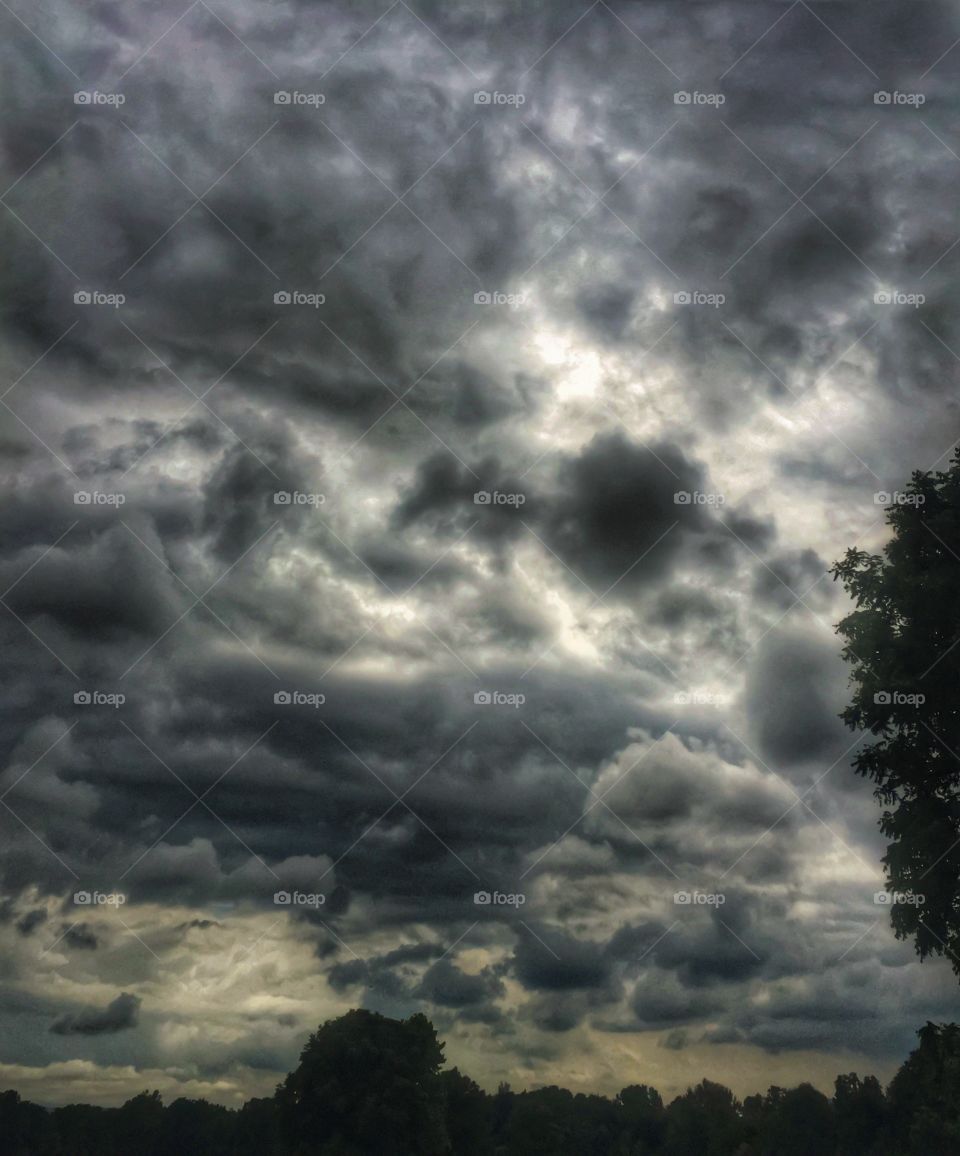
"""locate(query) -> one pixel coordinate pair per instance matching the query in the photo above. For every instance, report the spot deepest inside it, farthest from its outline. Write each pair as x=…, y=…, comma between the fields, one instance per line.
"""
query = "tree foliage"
x=367, y=1085
x=903, y=644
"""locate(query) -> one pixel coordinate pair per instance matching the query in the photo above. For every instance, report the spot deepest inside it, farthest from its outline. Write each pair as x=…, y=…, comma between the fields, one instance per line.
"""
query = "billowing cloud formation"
x=118, y=1014
x=427, y=433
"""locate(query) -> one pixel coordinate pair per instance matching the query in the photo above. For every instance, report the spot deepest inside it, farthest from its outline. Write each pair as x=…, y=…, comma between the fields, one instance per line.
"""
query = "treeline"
x=367, y=1084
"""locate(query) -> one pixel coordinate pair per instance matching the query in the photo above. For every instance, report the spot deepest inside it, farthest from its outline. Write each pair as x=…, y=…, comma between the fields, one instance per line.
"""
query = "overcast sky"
x=428, y=430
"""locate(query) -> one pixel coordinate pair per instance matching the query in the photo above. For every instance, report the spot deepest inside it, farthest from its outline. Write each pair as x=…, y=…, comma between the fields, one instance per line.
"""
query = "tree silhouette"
x=366, y=1084
x=704, y=1121
x=860, y=1111
x=924, y=1095
x=257, y=1129
x=641, y=1120
x=139, y=1121
x=901, y=642
x=24, y=1127
x=89, y=1129
x=469, y=1115
x=539, y=1122
x=800, y=1122
x=197, y=1127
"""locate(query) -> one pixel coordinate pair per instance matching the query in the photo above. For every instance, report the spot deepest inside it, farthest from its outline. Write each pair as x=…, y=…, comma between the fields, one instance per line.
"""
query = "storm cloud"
x=119, y=1014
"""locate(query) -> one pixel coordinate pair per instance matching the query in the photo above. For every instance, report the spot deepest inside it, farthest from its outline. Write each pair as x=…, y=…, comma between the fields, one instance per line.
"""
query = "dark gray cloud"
x=31, y=921
x=548, y=960
x=795, y=690
x=118, y=1015
x=624, y=511
x=445, y=984
x=81, y=936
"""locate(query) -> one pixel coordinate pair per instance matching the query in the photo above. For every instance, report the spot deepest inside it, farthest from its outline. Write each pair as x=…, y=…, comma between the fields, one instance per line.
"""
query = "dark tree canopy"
x=860, y=1114
x=903, y=644
x=800, y=1121
x=704, y=1121
x=923, y=1097
x=367, y=1085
